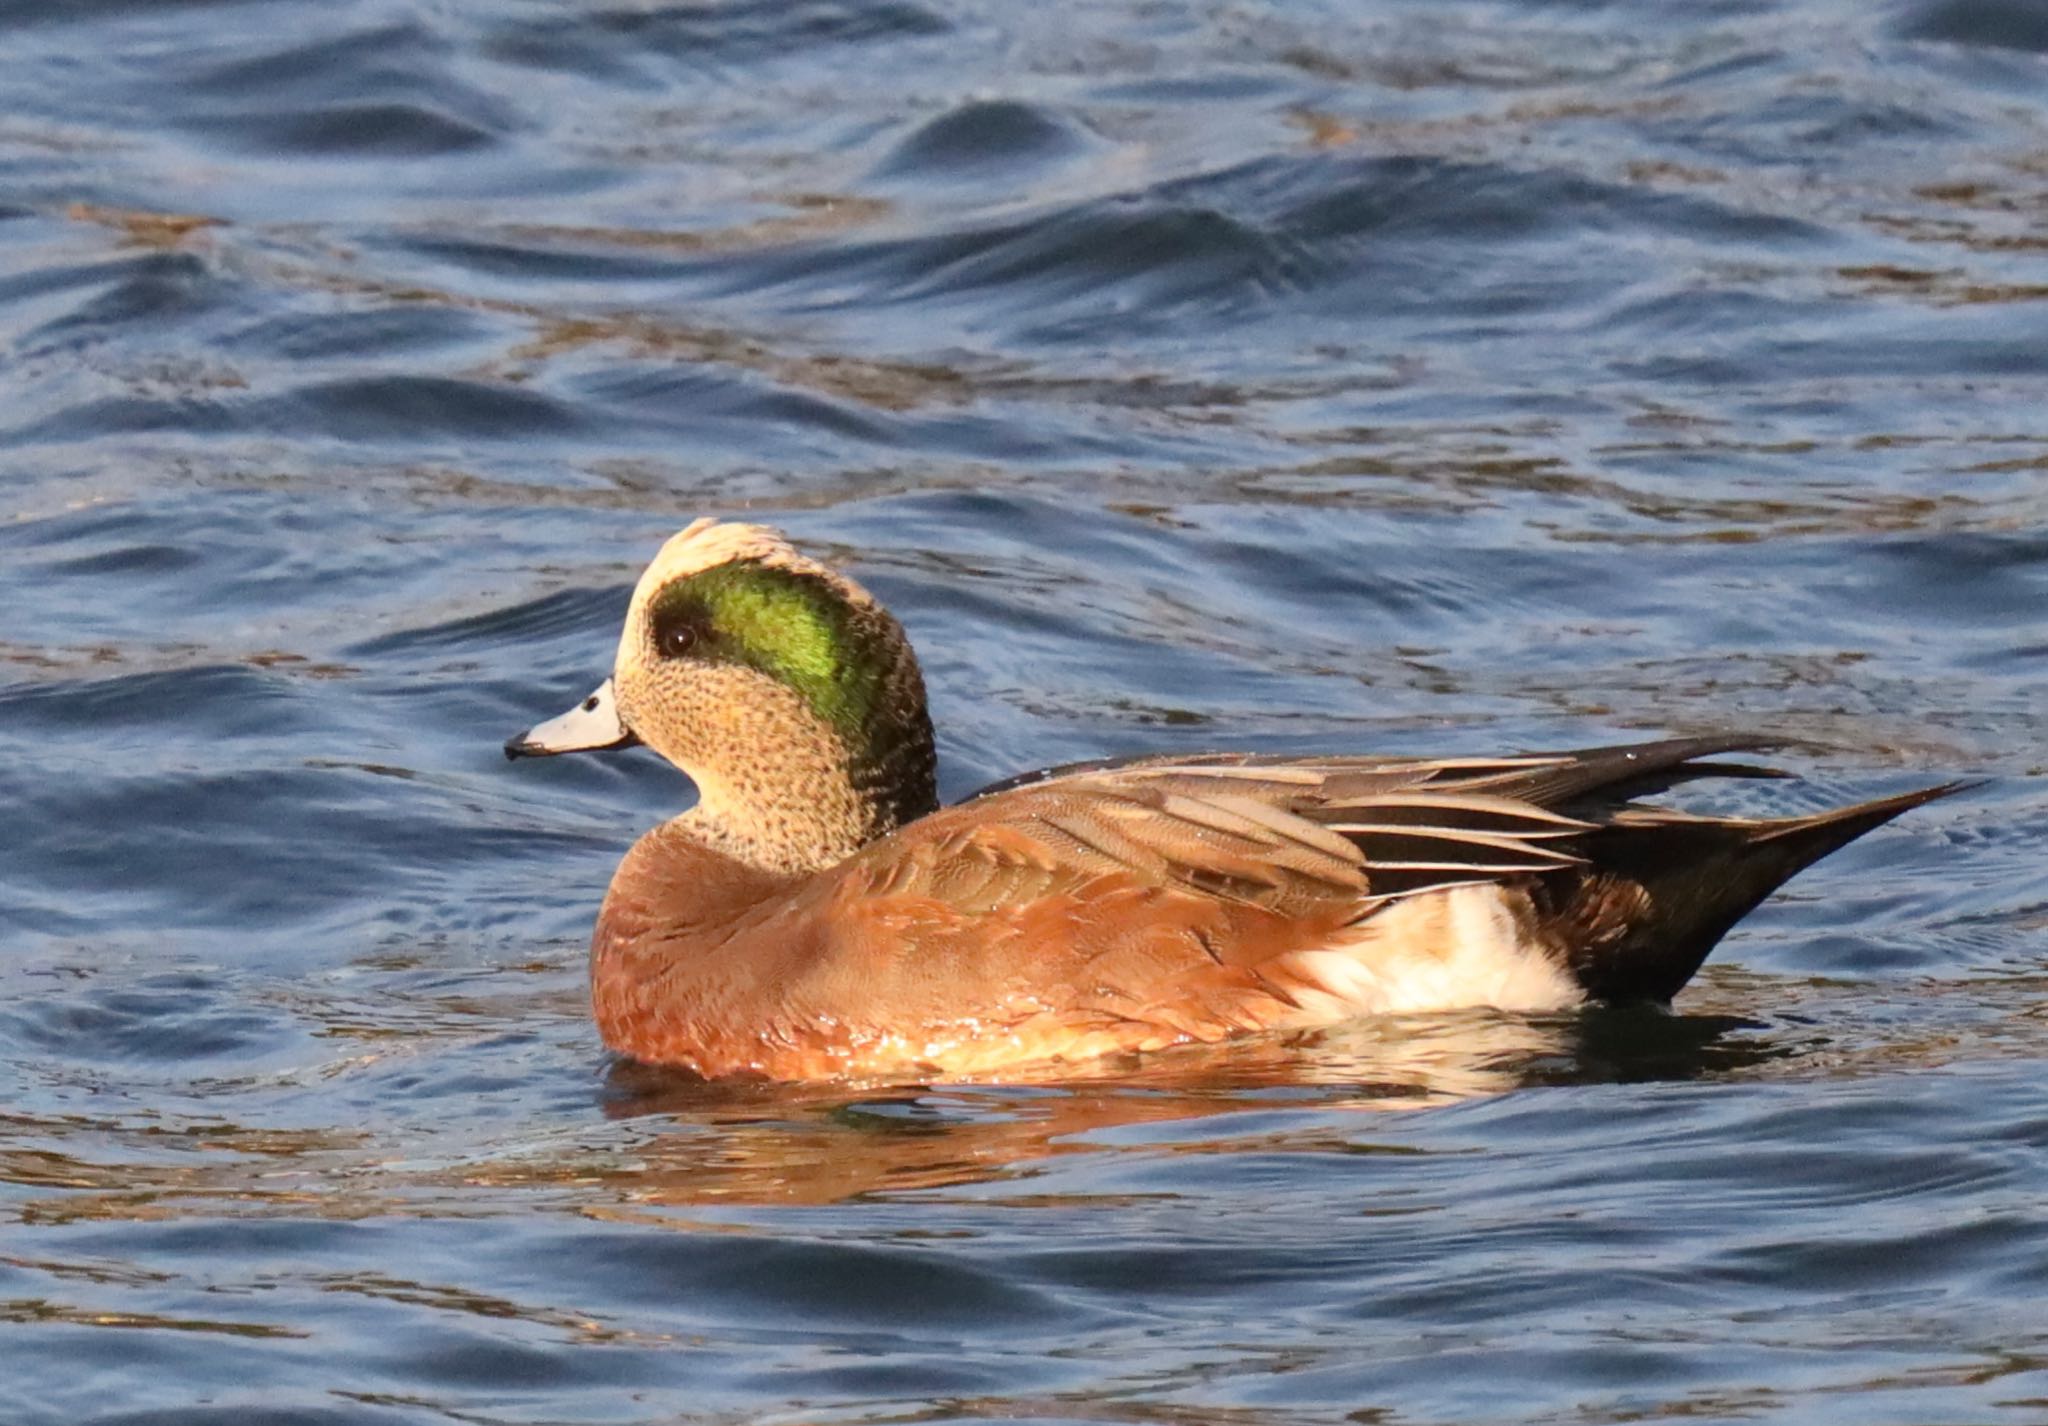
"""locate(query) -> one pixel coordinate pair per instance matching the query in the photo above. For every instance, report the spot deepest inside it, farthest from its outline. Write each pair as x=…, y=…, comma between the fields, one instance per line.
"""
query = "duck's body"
x=817, y=916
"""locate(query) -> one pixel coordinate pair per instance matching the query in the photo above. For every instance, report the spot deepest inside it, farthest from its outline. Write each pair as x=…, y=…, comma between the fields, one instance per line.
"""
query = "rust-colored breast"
x=922, y=957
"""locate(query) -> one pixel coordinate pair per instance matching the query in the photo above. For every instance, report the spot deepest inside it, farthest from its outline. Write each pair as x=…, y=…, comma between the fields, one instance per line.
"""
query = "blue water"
x=1405, y=377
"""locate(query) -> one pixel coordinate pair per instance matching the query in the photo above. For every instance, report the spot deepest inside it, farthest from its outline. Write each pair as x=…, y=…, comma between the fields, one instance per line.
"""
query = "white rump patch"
x=1447, y=950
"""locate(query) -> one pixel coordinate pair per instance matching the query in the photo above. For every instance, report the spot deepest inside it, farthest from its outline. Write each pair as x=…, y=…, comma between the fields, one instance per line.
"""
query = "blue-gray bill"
x=591, y=726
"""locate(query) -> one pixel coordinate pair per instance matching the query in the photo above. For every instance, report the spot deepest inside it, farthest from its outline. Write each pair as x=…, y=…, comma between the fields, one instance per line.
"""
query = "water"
x=1407, y=377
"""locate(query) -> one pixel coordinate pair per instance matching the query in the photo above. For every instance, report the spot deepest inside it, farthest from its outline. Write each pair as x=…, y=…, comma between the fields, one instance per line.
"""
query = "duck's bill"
x=590, y=726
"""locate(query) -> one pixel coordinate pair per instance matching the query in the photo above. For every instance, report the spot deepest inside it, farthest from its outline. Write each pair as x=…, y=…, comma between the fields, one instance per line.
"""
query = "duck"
x=819, y=915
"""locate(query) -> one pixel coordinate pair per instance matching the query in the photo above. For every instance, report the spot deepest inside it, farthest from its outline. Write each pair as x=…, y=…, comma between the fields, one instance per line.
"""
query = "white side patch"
x=1451, y=950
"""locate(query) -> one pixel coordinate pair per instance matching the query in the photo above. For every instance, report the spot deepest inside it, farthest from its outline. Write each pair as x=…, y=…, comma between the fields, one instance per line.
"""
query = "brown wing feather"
x=1299, y=839
x=1545, y=779
x=1272, y=831
x=1057, y=836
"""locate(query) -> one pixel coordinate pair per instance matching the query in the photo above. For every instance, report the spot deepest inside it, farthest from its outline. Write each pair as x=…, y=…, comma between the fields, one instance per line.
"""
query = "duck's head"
x=788, y=694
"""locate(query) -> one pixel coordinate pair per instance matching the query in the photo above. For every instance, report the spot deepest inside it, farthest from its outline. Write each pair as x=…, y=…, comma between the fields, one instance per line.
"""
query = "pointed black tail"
x=1660, y=891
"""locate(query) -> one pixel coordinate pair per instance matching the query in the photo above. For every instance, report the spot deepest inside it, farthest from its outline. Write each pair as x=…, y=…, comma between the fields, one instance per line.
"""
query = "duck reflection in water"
x=764, y=1143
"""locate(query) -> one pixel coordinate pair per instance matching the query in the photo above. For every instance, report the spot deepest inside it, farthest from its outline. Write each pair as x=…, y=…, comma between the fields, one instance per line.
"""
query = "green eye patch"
x=797, y=628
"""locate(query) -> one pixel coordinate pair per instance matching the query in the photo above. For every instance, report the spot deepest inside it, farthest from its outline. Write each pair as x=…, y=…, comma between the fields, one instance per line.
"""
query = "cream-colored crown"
x=707, y=543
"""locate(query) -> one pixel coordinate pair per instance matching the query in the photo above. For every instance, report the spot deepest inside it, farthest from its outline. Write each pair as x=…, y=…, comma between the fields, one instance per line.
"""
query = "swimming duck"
x=819, y=915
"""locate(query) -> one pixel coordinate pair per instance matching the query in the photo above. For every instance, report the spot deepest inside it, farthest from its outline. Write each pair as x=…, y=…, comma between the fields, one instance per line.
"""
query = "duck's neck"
x=813, y=802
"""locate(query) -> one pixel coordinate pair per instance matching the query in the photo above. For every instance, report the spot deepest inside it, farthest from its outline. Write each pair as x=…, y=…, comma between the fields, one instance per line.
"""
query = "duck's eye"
x=677, y=640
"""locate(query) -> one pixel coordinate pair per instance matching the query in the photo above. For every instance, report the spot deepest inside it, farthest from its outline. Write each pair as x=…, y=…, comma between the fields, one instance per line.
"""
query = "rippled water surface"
x=1420, y=377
